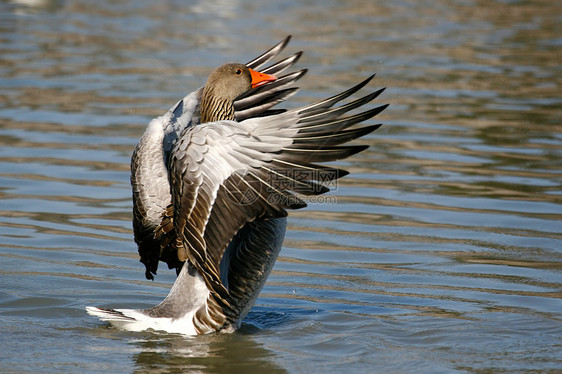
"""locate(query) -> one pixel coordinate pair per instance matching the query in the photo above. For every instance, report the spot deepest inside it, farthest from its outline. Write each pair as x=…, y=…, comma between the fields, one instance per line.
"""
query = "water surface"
x=440, y=252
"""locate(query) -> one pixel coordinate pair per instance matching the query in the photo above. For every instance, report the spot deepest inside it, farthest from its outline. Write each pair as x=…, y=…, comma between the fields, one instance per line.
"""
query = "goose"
x=213, y=180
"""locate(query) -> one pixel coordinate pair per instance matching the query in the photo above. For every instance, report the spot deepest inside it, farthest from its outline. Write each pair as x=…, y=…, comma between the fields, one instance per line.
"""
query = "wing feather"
x=267, y=56
x=250, y=172
x=229, y=184
x=153, y=218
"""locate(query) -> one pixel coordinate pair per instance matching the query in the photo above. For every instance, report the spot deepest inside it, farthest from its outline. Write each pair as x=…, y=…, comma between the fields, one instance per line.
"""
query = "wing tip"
x=286, y=41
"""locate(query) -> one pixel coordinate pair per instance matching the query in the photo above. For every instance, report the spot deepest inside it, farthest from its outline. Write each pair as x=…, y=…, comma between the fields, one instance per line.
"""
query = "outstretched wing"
x=149, y=170
x=226, y=174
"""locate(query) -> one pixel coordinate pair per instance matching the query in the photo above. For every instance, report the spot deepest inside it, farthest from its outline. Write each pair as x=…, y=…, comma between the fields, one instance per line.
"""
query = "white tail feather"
x=136, y=320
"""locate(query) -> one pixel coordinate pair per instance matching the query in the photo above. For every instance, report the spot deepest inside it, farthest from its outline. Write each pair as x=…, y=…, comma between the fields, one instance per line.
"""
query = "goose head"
x=224, y=85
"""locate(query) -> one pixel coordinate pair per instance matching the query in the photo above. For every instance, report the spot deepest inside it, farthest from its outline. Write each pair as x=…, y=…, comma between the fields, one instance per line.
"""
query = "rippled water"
x=441, y=253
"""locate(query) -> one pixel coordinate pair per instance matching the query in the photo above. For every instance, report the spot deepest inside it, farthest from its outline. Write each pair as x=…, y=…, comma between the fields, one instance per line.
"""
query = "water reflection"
x=209, y=354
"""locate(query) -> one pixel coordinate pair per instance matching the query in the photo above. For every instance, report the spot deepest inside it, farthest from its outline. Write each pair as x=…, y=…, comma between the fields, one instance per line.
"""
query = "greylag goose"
x=212, y=181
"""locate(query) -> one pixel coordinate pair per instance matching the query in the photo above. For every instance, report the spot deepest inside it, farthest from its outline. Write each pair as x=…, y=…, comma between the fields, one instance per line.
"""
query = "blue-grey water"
x=441, y=252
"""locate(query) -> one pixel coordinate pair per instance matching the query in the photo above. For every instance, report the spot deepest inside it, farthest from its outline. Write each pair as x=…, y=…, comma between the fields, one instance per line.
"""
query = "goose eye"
x=238, y=71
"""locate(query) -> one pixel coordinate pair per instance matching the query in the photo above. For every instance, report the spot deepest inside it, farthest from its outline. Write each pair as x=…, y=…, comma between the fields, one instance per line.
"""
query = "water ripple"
x=440, y=252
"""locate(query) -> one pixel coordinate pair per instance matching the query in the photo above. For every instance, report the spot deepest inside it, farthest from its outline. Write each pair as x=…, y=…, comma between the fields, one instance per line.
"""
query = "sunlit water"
x=440, y=252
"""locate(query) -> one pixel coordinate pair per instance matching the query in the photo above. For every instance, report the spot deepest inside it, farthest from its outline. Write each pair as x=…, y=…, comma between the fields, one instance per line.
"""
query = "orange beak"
x=259, y=79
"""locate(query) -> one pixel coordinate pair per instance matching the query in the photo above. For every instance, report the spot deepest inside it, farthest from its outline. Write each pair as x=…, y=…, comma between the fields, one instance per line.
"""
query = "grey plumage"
x=214, y=194
x=149, y=169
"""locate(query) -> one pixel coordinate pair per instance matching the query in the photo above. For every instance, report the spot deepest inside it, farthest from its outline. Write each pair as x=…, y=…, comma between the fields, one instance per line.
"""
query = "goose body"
x=212, y=181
